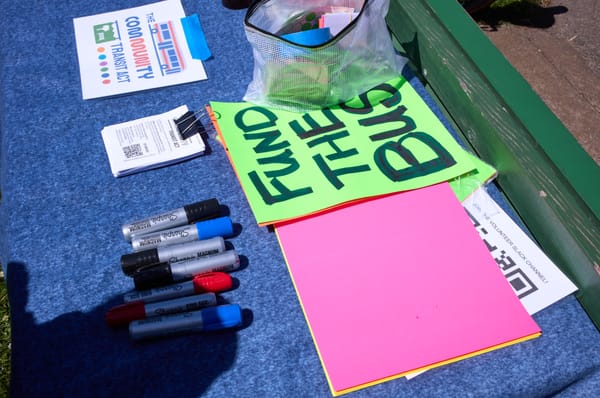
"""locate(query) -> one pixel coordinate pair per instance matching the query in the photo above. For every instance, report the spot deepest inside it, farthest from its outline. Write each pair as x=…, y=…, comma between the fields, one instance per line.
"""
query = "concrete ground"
x=556, y=48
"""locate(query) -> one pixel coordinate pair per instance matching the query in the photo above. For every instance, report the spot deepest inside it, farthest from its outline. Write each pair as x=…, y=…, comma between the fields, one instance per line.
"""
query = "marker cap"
x=133, y=262
x=221, y=226
x=201, y=210
x=221, y=317
x=166, y=274
x=212, y=282
x=152, y=277
x=125, y=313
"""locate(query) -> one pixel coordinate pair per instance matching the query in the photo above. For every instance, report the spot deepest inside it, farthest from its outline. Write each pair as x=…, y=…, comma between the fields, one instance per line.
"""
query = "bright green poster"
x=464, y=185
x=294, y=164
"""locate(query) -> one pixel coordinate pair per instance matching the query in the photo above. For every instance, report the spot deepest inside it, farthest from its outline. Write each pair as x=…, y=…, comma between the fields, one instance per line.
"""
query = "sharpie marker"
x=164, y=274
x=174, y=218
x=210, y=282
x=221, y=226
x=122, y=314
x=132, y=262
x=209, y=319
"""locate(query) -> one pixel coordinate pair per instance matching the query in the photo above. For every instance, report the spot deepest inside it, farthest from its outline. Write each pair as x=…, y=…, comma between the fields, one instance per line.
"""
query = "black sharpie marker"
x=133, y=262
x=184, y=215
x=164, y=274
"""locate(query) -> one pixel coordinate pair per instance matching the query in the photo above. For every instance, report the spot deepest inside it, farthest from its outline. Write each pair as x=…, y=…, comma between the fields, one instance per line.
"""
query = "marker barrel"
x=221, y=226
x=208, y=319
x=165, y=274
x=173, y=218
x=123, y=314
x=133, y=262
x=210, y=282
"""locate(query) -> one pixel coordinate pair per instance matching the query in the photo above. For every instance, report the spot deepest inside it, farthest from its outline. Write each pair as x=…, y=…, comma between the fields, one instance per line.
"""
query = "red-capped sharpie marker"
x=210, y=282
x=123, y=314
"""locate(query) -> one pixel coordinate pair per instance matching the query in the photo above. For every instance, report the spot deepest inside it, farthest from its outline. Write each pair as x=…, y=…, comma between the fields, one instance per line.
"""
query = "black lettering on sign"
x=283, y=192
x=416, y=168
x=338, y=154
x=314, y=127
x=282, y=158
x=270, y=119
x=396, y=115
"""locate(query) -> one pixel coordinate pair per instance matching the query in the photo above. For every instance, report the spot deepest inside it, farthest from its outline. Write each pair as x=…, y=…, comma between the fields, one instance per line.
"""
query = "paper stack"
x=390, y=270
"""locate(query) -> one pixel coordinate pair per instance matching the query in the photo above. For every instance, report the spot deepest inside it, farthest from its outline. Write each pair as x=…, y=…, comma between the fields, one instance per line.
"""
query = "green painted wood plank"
x=549, y=179
x=543, y=125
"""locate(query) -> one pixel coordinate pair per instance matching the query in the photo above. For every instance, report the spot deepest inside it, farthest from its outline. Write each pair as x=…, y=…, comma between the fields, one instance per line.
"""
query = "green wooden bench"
x=551, y=182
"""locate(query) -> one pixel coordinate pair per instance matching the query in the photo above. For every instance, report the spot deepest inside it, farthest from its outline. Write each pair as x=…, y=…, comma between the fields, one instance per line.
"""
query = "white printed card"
x=149, y=143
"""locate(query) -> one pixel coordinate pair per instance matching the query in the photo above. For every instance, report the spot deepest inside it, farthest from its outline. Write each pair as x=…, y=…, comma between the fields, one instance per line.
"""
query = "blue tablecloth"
x=60, y=217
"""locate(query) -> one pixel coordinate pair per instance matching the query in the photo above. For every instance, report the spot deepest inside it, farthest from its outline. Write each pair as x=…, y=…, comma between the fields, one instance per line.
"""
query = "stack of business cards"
x=149, y=143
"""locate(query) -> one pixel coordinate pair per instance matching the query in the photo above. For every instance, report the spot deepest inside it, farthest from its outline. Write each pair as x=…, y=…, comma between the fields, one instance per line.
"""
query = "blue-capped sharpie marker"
x=221, y=226
x=209, y=319
x=184, y=215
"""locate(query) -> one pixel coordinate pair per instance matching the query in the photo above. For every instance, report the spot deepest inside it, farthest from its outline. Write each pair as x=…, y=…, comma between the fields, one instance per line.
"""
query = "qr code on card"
x=133, y=151
x=521, y=283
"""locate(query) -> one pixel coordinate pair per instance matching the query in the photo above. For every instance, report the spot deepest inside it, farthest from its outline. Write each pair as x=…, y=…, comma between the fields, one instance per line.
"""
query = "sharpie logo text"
x=163, y=218
x=175, y=234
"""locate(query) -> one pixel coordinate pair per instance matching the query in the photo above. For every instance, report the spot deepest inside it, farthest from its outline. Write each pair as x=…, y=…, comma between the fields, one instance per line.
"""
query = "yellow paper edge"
x=435, y=365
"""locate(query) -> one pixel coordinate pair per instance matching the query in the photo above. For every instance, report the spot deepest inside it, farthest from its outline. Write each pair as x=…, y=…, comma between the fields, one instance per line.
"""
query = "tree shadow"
x=77, y=354
x=521, y=13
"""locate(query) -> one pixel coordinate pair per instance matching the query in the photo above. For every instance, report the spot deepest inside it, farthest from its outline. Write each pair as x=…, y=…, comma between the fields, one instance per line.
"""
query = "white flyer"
x=535, y=279
x=137, y=49
x=149, y=143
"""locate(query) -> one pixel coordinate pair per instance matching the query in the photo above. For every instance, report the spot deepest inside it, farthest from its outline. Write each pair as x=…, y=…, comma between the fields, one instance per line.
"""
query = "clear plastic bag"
x=297, y=77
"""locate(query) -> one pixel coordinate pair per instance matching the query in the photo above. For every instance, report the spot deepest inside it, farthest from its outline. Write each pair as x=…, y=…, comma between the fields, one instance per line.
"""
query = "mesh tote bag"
x=299, y=66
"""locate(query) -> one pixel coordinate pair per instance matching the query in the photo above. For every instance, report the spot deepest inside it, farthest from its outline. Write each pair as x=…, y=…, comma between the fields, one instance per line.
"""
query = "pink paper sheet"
x=398, y=283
